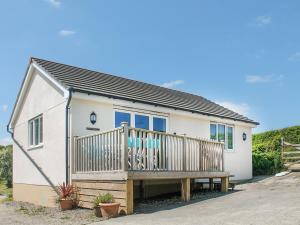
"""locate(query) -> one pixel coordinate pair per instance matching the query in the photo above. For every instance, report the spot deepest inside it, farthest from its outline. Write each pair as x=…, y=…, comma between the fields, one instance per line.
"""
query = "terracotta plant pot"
x=109, y=209
x=97, y=211
x=66, y=204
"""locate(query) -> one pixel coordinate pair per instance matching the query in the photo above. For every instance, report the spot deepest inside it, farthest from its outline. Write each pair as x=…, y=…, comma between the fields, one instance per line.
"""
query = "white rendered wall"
x=41, y=98
x=238, y=162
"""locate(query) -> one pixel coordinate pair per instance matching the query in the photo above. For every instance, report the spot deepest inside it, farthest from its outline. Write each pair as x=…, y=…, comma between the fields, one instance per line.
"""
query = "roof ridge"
x=117, y=76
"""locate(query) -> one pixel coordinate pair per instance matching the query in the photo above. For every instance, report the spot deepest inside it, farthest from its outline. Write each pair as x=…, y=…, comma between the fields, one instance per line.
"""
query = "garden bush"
x=266, y=152
x=6, y=165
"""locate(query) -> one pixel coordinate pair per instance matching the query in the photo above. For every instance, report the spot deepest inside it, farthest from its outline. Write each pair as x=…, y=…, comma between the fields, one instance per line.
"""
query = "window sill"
x=35, y=147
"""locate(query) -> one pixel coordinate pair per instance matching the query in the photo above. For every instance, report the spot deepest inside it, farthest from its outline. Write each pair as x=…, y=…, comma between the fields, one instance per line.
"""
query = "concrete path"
x=271, y=201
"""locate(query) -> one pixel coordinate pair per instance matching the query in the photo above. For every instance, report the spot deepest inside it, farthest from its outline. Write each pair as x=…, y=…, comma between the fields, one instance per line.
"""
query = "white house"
x=58, y=103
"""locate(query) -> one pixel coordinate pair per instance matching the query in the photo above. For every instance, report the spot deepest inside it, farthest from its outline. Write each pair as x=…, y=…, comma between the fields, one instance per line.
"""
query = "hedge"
x=266, y=153
x=6, y=165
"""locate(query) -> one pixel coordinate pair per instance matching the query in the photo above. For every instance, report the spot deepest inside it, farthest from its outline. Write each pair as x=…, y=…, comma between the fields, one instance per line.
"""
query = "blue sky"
x=242, y=54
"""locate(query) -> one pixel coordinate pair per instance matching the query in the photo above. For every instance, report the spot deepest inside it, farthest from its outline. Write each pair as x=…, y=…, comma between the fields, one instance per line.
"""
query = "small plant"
x=97, y=201
x=67, y=196
x=108, y=207
x=66, y=191
x=107, y=198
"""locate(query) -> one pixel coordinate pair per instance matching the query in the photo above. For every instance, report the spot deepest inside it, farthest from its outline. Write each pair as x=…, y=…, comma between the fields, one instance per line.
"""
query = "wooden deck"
x=142, y=175
x=112, y=161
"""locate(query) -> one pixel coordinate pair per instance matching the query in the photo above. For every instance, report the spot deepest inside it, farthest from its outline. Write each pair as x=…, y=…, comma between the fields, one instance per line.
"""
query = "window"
x=213, y=131
x=35, y=130
x=121, y=117
x=229, y=137
x=142, y=121
x=159, y=124
x=222, y=133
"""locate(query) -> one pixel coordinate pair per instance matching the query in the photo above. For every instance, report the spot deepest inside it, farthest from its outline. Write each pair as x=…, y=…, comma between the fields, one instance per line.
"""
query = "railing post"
x=124, y=146
x=223, y=164
x=184, y=153
x=74, y=156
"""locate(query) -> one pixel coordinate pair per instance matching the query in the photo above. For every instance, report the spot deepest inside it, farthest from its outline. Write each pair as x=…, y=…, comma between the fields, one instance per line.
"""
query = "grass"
x=32, y=211
x=7, y=192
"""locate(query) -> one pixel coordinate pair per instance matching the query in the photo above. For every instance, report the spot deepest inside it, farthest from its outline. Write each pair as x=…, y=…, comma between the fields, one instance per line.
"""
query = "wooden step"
x=294, y=167
x=292, y=152
x=292, y=158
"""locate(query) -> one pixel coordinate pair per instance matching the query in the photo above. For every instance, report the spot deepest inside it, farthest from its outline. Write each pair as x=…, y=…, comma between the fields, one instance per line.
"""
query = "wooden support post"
x=224, y=184
x=185, y=189
x=211, y=184
x=129, y=197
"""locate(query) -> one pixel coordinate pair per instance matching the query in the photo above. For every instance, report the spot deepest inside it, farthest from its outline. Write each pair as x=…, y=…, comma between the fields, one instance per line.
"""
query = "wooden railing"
x=99, y=152
x=132, y=149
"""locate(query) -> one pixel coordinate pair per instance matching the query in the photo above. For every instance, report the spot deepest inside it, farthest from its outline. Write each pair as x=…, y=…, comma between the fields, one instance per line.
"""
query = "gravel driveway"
x=27, y=214
x=265, y=201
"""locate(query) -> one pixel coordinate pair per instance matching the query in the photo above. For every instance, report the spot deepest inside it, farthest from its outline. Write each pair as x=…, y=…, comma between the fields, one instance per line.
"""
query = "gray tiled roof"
x=87, y=81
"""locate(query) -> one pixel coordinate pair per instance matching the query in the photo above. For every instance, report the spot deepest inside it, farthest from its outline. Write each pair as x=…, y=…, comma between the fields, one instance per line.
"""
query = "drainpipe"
x=32, y=160
x=68, y=135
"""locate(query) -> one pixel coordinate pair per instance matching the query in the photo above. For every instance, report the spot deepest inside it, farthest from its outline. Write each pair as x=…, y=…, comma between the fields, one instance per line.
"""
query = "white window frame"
x=33, y=133
x=161, y=117
x=142, y=114
x=226, y=138
x=132, y=122
x=226, y=134
x=132, y=118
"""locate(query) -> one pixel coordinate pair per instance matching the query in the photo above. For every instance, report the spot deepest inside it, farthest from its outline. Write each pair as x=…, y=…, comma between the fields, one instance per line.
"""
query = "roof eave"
x=162, y=105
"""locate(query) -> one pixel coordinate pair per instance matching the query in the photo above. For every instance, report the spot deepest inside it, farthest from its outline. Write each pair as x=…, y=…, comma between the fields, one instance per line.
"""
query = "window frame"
x=216, y=125
x=32, y=142
x=226, y=134
x=160, y=117
x=122, y=111
x=142, y=113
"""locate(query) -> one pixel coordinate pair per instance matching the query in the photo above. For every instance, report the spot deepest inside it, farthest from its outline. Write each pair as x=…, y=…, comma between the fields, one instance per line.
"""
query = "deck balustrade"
x=132, y=149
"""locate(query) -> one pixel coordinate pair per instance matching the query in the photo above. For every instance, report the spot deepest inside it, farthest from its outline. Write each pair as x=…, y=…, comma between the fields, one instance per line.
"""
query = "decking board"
x=101, y=185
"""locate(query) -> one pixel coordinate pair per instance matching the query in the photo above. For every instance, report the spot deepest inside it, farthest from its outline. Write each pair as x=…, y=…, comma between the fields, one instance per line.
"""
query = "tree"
x=6, y=165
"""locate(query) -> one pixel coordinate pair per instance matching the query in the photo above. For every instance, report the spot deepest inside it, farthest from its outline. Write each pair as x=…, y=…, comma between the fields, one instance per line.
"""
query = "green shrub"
x=6, y=165
x=97, y=201
x=266, y=163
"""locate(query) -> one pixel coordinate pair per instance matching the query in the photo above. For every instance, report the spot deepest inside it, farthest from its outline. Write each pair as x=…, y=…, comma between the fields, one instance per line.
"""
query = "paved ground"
x=267, y=201
x=270, y=201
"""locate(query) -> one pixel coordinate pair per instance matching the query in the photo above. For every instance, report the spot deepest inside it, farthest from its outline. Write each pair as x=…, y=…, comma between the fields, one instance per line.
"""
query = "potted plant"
x=97, y=210
x=109, y=208
x=67, y=196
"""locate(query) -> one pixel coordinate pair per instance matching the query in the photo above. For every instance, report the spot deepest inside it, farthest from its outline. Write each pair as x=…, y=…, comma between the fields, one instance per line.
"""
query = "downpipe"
x=68, y=135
